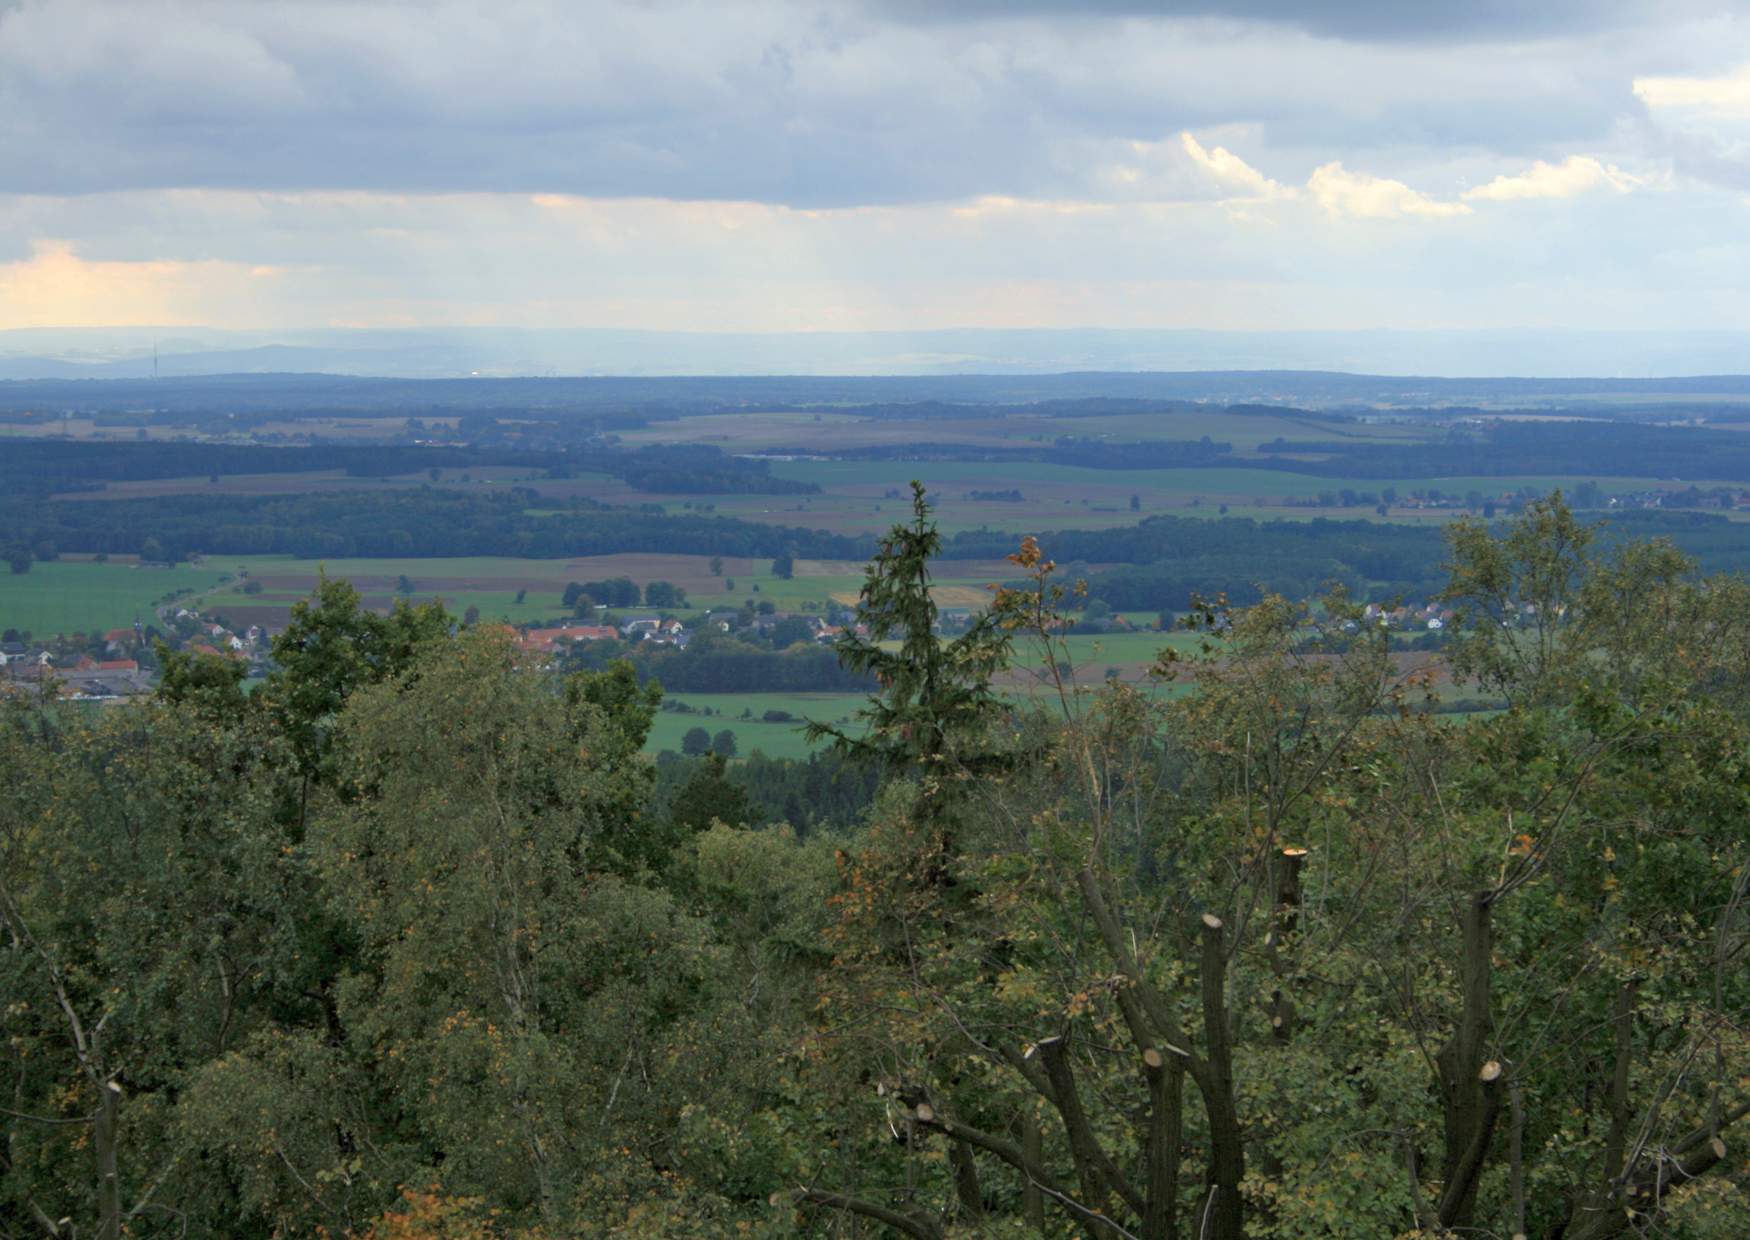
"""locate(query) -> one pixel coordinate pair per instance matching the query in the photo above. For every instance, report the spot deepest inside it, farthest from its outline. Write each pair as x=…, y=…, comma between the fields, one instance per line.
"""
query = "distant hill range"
x=1709, y=397
x=443, y=353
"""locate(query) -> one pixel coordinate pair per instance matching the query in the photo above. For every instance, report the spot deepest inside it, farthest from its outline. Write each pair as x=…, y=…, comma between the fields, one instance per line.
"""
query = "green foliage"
x=152, y=918
x=416, y=943
x=332, y=647
x=709, y=797
x=204, y=684
x=936, y=705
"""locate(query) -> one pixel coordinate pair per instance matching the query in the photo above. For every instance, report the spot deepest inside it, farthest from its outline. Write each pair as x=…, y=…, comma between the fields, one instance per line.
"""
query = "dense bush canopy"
x=412, y=941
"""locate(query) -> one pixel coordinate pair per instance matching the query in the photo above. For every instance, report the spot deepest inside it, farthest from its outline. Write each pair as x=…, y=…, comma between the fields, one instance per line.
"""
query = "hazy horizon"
x=877, y=165
x=134, y=352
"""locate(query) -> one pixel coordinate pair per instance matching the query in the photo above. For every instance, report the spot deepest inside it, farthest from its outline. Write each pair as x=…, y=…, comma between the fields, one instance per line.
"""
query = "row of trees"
x=583, y=596
x=423, y=522
x=401, y=944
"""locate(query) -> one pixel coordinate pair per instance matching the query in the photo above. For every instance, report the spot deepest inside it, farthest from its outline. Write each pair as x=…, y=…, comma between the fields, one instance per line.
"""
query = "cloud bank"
x=798, y=164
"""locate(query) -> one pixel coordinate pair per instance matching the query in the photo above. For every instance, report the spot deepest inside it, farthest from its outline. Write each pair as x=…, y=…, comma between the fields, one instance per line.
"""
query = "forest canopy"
x=407, y=943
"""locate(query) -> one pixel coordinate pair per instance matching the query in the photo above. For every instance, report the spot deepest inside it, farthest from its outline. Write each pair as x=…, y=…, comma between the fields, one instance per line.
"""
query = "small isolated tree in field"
x=696, y=743
x=723, y=744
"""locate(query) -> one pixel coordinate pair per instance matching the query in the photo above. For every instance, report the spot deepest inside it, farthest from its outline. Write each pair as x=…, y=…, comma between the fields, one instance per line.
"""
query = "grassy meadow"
x=775, y=740
x=68, y=595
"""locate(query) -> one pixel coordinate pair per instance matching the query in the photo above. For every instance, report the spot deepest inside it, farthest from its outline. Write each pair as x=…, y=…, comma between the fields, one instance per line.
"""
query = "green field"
x=775, y=740
x=68, y=596
x=1097, y=651
x=784, y=740
x=492, y=584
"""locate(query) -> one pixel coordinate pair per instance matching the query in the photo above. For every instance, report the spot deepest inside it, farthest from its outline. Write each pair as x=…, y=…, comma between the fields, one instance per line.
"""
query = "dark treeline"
x=1375, y=546
x=415, y=522
x=1173, y=557
x=819, y=792
x=722, y=664
x=1569, y=449
x=695, y=469
x=46, y=466
x=1065, y=450
x=1562, y=449
x=1085, y=407
x=1168, y=559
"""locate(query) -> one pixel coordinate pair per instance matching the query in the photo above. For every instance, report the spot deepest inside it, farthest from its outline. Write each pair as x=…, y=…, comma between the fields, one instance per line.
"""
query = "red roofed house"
x=543, y=640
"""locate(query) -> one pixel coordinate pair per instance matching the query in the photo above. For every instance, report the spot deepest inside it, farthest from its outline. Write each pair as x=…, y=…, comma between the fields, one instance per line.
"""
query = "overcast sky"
x=872, y=164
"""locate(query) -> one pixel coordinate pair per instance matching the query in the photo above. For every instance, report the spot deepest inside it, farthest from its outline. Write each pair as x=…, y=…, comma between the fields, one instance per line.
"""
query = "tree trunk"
x=1166, y=1085
x=1469, y=1084
x=1616, y=1144
x=1032, y=1149
x=966, y=1189
x=104, y=1138
x=1222, y=1216
x=1094, y=1169
x=1285, y=919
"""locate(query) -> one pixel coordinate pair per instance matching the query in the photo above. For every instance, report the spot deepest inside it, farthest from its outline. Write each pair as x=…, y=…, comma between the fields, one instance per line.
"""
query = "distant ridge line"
x=1310, y=389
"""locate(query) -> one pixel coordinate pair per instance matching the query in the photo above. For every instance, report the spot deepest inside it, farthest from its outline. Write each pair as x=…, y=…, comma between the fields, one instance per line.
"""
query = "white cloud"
x=1727, y=94
x=186, y=257
x=1232, y=172
x=56, y=287
x=1342, y=192
x=1577, y=174
x=802, y=102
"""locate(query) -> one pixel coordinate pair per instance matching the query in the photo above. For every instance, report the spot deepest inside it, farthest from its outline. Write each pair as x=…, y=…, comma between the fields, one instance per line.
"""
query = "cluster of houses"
x=1432, y=617
x=204, y=636
x=662, y=630
x=28, y=668
x=641, y=628
x=116, y=674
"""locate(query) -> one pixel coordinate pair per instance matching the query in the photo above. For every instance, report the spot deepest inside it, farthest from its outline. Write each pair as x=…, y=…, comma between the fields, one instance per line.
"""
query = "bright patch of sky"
x=785, y=165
